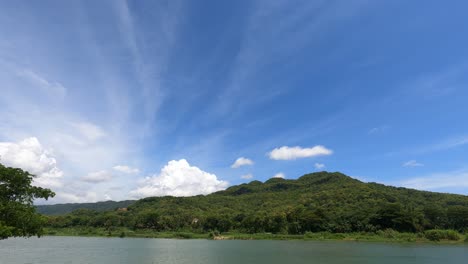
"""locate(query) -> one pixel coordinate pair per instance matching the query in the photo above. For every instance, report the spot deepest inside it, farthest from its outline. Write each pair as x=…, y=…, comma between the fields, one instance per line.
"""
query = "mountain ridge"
x=320, y=201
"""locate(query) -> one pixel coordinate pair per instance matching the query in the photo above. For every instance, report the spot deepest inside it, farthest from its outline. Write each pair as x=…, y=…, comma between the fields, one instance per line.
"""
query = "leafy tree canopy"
x=18, y=216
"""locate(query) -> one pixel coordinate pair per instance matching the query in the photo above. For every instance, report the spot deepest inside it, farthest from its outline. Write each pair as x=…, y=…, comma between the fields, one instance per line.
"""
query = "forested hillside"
x=315, y=202
x=60, y=209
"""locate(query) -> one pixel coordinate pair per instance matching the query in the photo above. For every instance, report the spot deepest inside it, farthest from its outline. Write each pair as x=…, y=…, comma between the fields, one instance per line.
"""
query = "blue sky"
x=117, y=100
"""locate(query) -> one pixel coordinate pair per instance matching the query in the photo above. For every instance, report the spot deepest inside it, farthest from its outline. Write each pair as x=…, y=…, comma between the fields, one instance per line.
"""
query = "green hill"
x=60, y=209
x=315, y=202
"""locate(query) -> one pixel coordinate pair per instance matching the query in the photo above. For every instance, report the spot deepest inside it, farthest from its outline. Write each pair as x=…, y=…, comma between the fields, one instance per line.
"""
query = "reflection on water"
x=163, y=251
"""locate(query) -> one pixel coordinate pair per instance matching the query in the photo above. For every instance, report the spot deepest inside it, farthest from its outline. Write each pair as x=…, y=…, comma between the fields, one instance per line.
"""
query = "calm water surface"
x=114, y=250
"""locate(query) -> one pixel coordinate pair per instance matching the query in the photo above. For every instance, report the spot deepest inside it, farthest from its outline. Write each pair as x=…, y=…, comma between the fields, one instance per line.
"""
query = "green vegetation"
x=18, y=216
x=60, y=209
x=379, y=236
x=315, y=205
x=437, y=235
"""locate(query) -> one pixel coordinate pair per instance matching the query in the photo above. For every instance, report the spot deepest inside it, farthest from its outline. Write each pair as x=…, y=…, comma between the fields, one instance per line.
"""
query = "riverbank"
x=438, y=236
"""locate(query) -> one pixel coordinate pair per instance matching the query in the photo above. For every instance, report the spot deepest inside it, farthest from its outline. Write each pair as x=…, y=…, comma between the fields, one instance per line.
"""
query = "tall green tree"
x=18, y=215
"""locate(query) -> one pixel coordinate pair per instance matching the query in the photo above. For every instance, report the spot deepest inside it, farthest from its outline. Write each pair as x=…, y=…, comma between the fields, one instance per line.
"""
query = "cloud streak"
x=53, y=88
x=455, y=179
x=412, y=163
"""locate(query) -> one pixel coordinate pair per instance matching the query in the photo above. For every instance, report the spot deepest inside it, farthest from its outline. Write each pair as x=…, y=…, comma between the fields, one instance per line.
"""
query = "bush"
x=437, y=235
x=122, y=235
x=214, y=234
x=453, y=235
x=184, y=235
x=388, y=233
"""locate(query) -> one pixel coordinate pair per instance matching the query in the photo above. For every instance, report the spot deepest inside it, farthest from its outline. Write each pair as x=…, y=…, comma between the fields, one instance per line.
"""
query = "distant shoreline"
x=390, y=236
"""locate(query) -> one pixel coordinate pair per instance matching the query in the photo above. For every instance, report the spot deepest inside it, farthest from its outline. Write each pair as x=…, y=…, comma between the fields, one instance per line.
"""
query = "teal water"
x=163, y=251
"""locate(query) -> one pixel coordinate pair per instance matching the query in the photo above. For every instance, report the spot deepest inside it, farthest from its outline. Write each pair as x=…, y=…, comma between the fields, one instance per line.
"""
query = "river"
x=82, y=250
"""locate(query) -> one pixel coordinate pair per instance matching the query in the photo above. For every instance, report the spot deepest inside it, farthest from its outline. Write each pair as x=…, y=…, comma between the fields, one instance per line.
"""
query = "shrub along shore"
x=429, y=236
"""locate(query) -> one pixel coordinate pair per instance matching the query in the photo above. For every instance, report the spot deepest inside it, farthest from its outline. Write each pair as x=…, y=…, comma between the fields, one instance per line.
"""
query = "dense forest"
x=315, y=202
x=60, y=209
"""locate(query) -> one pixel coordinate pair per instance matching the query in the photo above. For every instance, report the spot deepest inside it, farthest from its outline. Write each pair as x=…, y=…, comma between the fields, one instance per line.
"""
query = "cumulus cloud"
x=319, y=166
x=126, y=169
x=279, y=175
x=241, y=162
x=97, y=177
x=31, y=156
x=179, y=178
x=247, y=176
x=292, y=153
x=412, y=163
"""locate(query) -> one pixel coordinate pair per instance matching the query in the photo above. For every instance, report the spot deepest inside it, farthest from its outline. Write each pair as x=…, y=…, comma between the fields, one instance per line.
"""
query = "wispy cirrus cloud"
x=438, y=181
x=275, y=32
x=150, y=73
x=89, y=130
x=441, y=145
x=55, y=89
x=378, y=129
x=412, y=163
x=247, y=176
x=449, y=143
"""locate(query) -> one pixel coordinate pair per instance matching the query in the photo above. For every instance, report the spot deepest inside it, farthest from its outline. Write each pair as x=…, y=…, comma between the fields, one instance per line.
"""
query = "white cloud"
x=247, y=176
x=455, y=179
x=126, y=169
x=319, y=166
x=178, y=178
x=89, y=130
x=279, y=175
x=97, y=177
x=241, y=162
x=292, y=153
x=68, y=197
x=29, y=155
x=412, y=163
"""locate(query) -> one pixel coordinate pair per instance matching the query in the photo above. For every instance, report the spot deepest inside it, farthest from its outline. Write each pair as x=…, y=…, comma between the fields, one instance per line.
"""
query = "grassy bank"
x=432, y=236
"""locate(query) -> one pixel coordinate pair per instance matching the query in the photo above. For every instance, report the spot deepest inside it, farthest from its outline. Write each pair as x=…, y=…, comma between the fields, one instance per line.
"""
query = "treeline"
x=315, y=202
